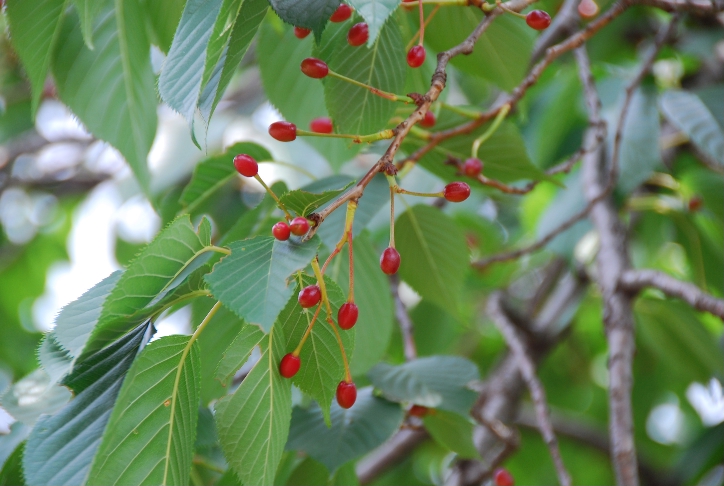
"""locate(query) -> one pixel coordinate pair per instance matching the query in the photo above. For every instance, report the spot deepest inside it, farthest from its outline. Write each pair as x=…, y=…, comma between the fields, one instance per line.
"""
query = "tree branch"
x=537, y=392
x=637, y=280
x=389, y=454
x=403, y=318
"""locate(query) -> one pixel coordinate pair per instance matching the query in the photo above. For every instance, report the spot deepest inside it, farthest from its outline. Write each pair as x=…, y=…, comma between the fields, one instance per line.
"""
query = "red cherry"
x=588, y=9
x=390, y=261
x=347, y=315
x=456, y=191
x=503, y=478
x=342, y=13
x=246, y=165
x=358, y=34
x=418, y=411
x=283, y=131
x=301, y=32
x=315, y=68
x=321, y=125
x=309, y=296
x=346, y=394
x=281, y=231
x=538, y=19
x=416, y=56
x=695, y=203
x=472, y=167
x=289, y=365
x=299, y=226
x=428, y=121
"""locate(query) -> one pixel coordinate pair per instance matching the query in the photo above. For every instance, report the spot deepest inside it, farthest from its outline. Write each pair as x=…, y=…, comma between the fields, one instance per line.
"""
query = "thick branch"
x=637, y=280
x=390, y=453
x=537, y=392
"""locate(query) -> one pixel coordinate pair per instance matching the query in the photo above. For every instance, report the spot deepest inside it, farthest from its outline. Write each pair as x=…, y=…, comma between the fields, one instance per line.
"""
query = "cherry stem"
x=393, y=183
x=373, y=137
x=310, y=325
x=429, y=18
x=378, y=92
x=420, y=133
x=517, y=14
x=422, y=23
x=349, y=219
x=400, y=190
x=491, y=130
x=462, y=111
x=350, y=296
x=274, y=196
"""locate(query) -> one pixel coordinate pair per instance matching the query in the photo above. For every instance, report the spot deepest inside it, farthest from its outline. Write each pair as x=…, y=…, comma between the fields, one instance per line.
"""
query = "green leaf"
x=111, y=88
x=252, y=281
x=453, y=432
x=11, y=473
x=87, y=11
x=375, y=13
x=304, y=202
x=309, y=473
x=253, y=423
x=298, y=98
x=53, y=358
x=212, y=174
x=34, y=28
x=374, y=299
x=164, y=16
x=689, y=114
x=180, y=80
x=310, y=14
x=151, y=432
x=502, y=53
x=433, y=382
x=76, y=321
x=434, y=254
x=157, y=269
x=354, y=432
x=238, y=353
x=356, y=110
x=61, y=447
x=322, y=365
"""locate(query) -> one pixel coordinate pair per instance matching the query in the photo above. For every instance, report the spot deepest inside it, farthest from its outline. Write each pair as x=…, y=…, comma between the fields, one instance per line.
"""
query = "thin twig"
x=537, y=392
x=637, y=280
x=403, y=318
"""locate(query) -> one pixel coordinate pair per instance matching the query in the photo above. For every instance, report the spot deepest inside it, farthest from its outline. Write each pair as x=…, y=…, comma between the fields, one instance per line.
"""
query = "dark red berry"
x=347, y=315
x=456, y=191
x=283, y=131
x=503, y=478
x=289, y=365
x=301, y=32
x=246, y=165
x=281, y=231
x=315, y=68
x=342, y=13
x=299, y=226
x=358, y=34
x=416, y=56
x=418, y=411
x=472, y=167
x=390, y=261
x=321, y=125
x=538, y=19
x=346, y=394
x=309, y=296
x=695, y=203
x=428, y=121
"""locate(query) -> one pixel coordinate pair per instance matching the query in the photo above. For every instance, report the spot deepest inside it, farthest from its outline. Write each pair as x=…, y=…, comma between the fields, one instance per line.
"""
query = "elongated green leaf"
x=310, y=14
x=322, y=364
x=299, y=99
x=689, y=114
x=87, y=11
x=356, y=110
x=252, y=281
x=375, y=13
x=122, y=107
x=11, y=473
x=76, y=320
x=164, y=16
x=219, y=37
x=151, y=432
x=452, y=431
x=304, y=202
x=372, y=295
x=238, y=352
x=61, y=447
x=253, y=423
x=354, y=432
x=34, y=27
x=53, y=358
x=434, y=382
x=211, y=174
x=156, y=270
x=434, y=255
